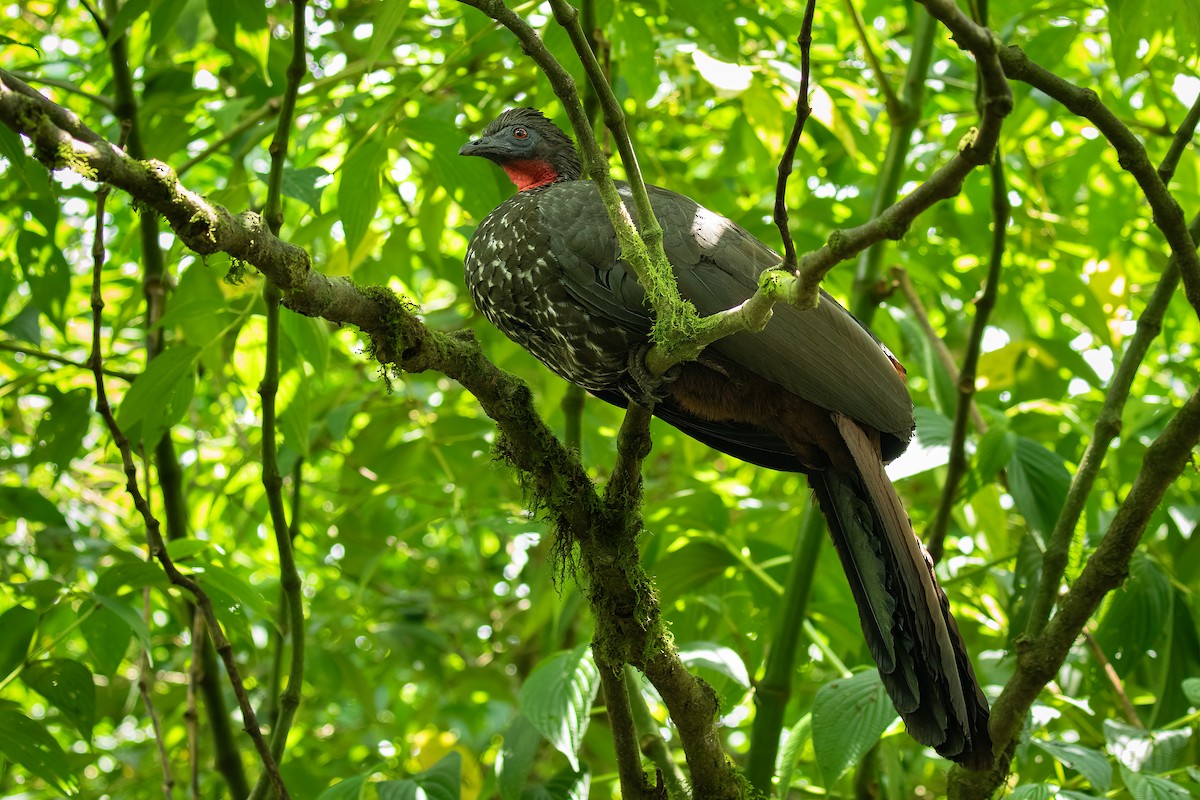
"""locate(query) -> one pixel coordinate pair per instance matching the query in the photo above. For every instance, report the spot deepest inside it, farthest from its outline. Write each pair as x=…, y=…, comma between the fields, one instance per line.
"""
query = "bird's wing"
x=823, y=355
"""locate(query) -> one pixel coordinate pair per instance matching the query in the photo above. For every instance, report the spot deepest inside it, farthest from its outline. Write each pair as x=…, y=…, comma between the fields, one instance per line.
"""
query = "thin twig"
x=191, y=714
x=650, y=739
x=903, y=115
x=1038, y=660
x=33, y=352
x=803, y=112
x=902, y=279
x=893, y=103
x=956, y=467
x=1114, y=680
x=158, y=548
x=1166, y=214
x=289, y=576
x=620, y=720
x=1183, y=137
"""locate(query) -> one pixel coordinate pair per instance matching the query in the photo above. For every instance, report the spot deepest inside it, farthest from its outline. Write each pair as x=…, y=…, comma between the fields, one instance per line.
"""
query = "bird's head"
x=531, y=149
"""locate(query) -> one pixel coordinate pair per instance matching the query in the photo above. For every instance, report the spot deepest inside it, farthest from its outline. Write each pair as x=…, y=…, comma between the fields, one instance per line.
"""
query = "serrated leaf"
x=17, y=626
x=849, y=716
x=68, y=686
x=557, y=699
x=1133, y=623
x=516, y=757
x=1091, y=764
x=1151, y=787
x=1145, y=751
x=1038, y=481
x=27, y=742
x=1034, y=791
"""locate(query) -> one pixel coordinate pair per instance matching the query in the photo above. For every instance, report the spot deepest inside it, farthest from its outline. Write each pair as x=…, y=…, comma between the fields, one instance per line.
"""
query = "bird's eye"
x=520, y=133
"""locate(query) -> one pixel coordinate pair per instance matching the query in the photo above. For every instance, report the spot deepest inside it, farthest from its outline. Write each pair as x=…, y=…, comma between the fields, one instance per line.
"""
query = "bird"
x=814, y=392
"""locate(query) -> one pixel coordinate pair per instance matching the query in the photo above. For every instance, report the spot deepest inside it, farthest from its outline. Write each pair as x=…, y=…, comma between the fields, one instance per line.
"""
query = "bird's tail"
x=905, y=615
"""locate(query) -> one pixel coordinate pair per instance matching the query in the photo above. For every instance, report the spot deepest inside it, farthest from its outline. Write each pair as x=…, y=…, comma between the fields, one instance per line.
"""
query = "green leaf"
x=516, y=756
x=128, y=615
x=12, y=148
x=569, y=784
x=310, y=336
x=723, y=660
x=1145, y=751
x=714, y=22
x=26, y=742
x=306, y=185
x=1091, y=764
x=1191, y=688
x=1035, y=791
x=19, y=502
x=349, y=789
x=108, y=638
x=159, y=397
x=634, y=50
x=386, y=18
x=234, y=593
x=358, y=190
x=442, y=781
x=61, y=430
x=1039, y=482
x=129, y=11
x=849, y=716
x=557, y=699
x=1134, y=622
x=795, y=741
x=68, y=686
x=17, y=627
x=1152, y=787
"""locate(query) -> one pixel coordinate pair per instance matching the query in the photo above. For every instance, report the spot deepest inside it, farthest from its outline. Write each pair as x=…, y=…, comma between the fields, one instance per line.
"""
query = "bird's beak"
x=485, y=146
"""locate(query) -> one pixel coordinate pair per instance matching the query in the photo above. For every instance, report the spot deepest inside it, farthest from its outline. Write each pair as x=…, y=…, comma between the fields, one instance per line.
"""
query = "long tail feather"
x=905, y=614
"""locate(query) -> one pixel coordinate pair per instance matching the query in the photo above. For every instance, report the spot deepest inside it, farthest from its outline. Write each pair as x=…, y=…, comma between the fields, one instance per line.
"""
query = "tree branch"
x=158, y=548
x=1039, y=659
x=803, y=112
x=956, y=469
x=1131, y=154
x=289, y=577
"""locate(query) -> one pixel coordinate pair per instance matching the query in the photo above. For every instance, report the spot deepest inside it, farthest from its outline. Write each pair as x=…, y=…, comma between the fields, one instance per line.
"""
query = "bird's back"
x=546, y=268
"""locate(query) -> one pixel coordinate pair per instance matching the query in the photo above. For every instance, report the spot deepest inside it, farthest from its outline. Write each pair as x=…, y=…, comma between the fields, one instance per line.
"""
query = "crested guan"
x=814, y=392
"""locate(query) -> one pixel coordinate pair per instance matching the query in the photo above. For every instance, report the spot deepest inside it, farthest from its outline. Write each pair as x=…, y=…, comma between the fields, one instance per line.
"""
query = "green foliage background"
x=428, y=587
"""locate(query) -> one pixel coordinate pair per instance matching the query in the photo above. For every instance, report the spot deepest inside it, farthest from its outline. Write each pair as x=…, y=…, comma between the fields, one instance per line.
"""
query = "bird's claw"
x=647, y=388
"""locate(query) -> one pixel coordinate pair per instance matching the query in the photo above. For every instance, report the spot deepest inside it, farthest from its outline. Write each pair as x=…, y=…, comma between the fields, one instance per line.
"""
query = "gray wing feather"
x=824, y=354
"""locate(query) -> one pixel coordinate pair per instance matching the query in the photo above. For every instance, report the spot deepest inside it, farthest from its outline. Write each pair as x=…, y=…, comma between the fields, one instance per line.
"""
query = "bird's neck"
x=530, y=174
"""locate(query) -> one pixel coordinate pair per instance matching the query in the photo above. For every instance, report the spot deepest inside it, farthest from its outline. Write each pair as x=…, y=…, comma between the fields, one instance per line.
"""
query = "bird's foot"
x=647, y=388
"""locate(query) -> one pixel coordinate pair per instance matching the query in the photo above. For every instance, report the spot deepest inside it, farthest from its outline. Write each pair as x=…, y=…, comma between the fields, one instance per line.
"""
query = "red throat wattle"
x=530, y=174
